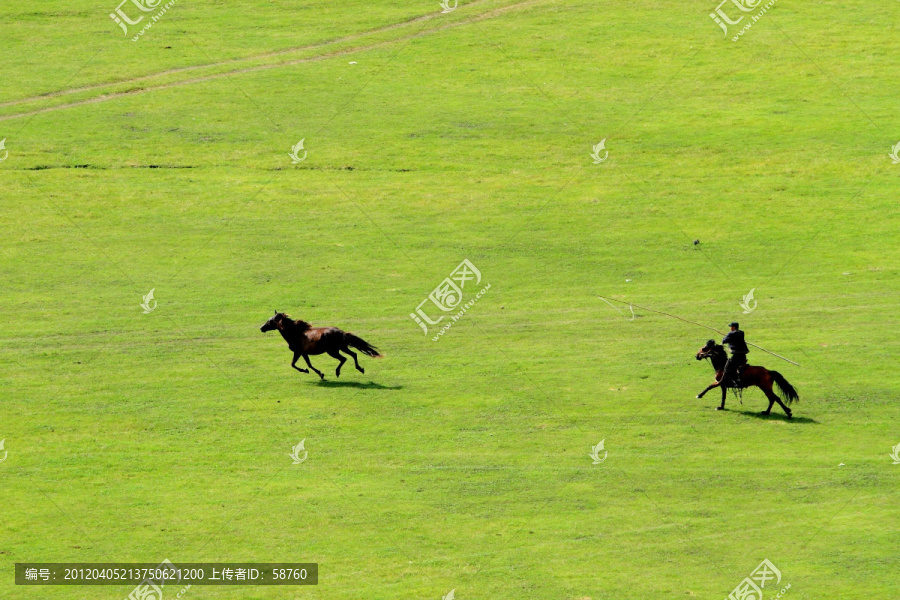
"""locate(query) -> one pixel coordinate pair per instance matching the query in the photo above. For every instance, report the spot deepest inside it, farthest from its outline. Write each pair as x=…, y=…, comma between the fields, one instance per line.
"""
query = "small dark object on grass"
x=696, y=242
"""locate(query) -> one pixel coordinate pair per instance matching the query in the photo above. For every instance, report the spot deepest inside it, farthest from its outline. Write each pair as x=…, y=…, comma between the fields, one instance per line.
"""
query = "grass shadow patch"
x=780, y=416
x=356, y=384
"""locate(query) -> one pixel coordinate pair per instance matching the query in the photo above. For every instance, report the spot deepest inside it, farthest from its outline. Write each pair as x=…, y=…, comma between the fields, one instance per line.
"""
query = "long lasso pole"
x=659, y=312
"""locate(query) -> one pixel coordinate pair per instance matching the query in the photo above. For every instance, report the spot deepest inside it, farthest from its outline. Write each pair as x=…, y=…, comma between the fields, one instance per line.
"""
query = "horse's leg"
x=773, y=398
x=703, y=393
x=318, y=372
x=337, y=355
x=786, y=410
x=724, y=393
x=767, y=390
x=294, y=363
x=347, y=349
x=718, y=382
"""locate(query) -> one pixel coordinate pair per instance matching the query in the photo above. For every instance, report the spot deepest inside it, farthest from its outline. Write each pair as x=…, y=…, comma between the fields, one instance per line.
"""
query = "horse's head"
x=272, y=323
x=707, y=350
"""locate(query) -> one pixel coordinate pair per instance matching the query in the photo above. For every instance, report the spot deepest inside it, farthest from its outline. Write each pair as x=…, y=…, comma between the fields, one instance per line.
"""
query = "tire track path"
x=131, y=87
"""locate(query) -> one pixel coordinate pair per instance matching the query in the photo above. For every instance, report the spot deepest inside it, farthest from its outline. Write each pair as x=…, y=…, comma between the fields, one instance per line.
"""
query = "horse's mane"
x=296, y=323
x=716, y=348
x=717, y=355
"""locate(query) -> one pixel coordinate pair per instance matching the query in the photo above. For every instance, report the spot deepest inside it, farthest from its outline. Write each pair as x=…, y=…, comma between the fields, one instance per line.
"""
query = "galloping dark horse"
x=758, y=376
x=304, y=340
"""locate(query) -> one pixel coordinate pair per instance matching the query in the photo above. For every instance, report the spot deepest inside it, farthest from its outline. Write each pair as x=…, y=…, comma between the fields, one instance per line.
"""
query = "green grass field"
x=460, y=464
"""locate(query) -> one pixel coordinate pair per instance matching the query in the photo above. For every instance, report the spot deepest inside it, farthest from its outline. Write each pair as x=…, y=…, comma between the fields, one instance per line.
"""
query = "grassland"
x=459, y=464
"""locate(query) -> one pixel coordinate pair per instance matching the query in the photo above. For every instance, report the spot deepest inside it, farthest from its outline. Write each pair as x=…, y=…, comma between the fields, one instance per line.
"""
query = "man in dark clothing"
x=735, y=341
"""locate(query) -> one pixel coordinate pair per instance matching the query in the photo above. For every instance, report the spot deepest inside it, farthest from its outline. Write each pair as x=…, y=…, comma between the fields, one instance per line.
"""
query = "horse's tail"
x=361, y=345
x=788, y=393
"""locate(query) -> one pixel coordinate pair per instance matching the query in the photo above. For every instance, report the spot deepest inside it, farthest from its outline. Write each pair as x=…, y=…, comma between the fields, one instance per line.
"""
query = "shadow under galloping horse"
x=750, y=376
x=303, y=340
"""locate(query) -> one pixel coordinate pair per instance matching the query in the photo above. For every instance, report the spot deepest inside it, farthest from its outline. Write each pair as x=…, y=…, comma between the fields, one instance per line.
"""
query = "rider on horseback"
x=735, y=341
